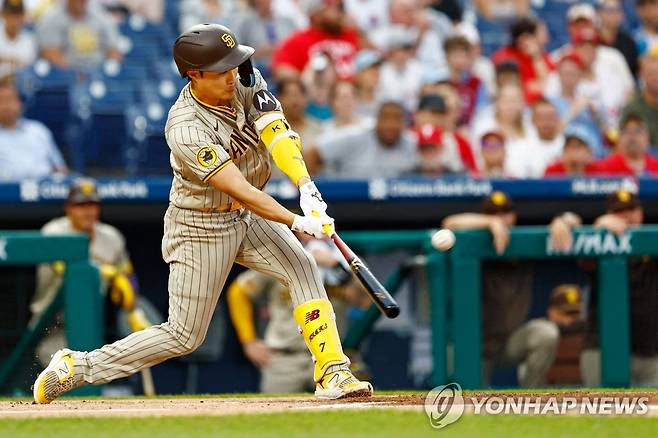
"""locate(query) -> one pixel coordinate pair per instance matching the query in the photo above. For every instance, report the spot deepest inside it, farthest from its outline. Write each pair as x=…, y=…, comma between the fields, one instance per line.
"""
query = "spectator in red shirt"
x=631, y=157
x=472, y=92
x=577, y=158
x=526, y=49
x=327, y=35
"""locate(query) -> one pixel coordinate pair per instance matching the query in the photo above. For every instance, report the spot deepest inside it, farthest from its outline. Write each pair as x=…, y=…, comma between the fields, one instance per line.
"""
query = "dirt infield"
x=257, y=405
x=196, y=406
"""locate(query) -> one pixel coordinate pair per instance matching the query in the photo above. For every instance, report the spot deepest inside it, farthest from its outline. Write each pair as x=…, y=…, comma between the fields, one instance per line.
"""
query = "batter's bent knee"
x=185, y=342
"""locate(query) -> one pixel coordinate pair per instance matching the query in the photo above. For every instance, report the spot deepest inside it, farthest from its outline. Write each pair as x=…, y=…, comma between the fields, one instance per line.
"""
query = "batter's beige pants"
x=201, y=249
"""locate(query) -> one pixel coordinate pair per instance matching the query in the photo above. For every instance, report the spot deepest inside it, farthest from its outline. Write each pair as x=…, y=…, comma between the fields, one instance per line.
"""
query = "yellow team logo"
x=572, y=295
x=498, y=198
x=623, y=196
x=206, y=156
x=228, y=40
x=87, y=187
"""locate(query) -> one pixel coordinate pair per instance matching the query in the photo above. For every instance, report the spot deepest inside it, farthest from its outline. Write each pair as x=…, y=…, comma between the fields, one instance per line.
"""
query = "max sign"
x=595, y=244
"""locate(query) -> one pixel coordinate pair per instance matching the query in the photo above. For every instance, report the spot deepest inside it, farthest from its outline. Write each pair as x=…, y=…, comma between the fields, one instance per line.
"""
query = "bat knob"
x=392, y=312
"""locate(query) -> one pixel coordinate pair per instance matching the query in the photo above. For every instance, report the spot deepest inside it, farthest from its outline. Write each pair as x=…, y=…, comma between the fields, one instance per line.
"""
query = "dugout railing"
x=79, y=295
x=454, y=279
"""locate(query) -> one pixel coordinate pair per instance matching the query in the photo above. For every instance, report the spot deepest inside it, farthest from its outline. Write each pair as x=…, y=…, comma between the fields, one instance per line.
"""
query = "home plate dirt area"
x=205, y=406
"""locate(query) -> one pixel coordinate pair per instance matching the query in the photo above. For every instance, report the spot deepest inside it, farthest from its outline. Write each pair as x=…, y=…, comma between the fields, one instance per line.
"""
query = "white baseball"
x=443, y=240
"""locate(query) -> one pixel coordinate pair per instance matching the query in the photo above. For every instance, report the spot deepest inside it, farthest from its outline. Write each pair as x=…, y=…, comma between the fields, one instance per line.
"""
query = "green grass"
x=372, y=423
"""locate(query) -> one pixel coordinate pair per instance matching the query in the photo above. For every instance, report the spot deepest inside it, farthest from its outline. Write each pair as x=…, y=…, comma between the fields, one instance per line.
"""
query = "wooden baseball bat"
x=381, y=297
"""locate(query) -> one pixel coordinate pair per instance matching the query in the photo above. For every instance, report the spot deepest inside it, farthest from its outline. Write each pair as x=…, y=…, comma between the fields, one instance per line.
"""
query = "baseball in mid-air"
x=443, y=239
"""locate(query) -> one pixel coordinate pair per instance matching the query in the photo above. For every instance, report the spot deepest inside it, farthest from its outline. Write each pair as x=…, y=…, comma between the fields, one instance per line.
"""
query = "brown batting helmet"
x=213, y=47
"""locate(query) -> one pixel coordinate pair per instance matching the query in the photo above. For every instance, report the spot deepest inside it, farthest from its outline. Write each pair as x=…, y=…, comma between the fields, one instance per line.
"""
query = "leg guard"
x=317, y=323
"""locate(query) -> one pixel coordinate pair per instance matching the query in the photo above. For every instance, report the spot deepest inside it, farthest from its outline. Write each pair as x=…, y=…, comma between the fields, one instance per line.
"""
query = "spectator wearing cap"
x=431, y=110
x=443, y=153
x=507, y=115
x=107, y=249
x=472, y=91
x=527, y=50
x=624, y=212
x=27, y=147
x=259, y=27
x=343, y=101
x=367, y=64
x=385, y=150
x=645, y=102
x=577, y=100
x=577, y=157
x=401, y=74
x=631, y=157
x=77, y=34
x=18, y=48
x=492, y=150
x=605, y=67
x=327, y=34
x=509, y=339
x=611, y=17
x=647, y=35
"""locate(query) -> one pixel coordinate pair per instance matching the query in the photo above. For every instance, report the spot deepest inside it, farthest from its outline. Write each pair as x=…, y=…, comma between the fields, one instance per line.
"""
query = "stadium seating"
x=93, y=110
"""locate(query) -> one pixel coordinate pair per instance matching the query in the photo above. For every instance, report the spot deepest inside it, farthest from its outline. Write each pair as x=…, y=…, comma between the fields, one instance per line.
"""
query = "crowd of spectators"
x=405, y=87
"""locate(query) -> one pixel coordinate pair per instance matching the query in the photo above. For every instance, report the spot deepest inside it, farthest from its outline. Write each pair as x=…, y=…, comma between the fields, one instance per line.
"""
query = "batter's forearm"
x=231, y=181
x=265, y=206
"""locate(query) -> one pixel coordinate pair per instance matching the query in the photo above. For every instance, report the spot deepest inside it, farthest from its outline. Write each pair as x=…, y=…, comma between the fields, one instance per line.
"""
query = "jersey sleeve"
x=261, y=107
x=197, y=150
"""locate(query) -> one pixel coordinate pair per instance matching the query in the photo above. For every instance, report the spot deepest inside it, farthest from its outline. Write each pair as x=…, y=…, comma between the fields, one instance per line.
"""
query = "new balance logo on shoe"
x=63, y=370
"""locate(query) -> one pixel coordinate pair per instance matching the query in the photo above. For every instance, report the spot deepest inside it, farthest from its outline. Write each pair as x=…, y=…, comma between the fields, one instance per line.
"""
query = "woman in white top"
x=507, y=116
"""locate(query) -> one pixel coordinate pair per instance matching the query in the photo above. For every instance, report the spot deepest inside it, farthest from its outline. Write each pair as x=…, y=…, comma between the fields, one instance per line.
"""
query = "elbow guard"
x=285, y=147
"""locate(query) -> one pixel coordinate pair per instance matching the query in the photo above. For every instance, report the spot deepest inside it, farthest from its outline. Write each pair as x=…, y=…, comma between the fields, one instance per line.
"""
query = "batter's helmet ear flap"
x=247, y=75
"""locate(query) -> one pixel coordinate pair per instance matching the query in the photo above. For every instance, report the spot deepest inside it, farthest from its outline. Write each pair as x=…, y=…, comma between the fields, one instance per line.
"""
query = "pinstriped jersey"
x=204, y=139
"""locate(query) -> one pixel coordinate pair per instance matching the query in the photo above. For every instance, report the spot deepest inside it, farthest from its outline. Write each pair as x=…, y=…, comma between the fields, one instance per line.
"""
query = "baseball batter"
x=224, y=131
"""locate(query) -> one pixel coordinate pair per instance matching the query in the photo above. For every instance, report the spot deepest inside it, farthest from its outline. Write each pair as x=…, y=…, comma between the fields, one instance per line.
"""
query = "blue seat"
x=101, y=110
x=149, y=148
x=46, y=98
x=141, y=51
x=493, y=35
x=142, y=33
x=127, y=72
